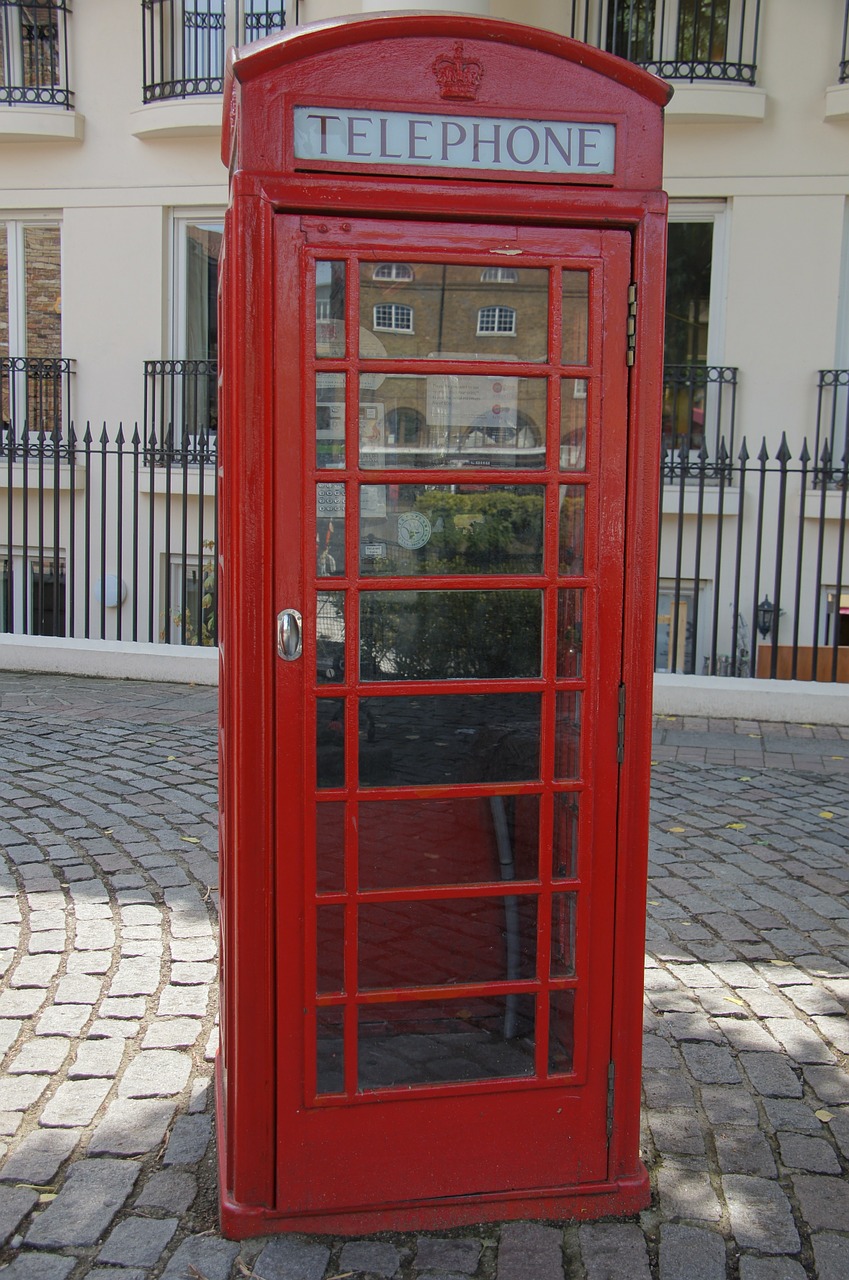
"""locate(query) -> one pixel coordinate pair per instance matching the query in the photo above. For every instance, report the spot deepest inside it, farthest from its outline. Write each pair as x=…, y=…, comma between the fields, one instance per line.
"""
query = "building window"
x=393, y=271
x=32, y=595
x=34, y=53
x=675, y=643
x=496, y=320
x=499, y=275
x=190, y=599
x=184, y=41
x=393, y=317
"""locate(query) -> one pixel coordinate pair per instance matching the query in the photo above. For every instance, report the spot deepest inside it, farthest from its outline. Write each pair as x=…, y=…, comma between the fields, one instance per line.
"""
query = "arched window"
x=393, y=317
x=393, y=271
x=499, y=275
x=496, y=320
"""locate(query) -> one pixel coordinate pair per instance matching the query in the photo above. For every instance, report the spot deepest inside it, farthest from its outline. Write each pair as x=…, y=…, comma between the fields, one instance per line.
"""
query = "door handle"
x=289, y=634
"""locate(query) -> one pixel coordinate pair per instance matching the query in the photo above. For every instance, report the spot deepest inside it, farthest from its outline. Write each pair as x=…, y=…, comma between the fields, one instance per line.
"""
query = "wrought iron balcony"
x=180, y=411
x=831, y=444
x=676, y=39
x=184, y=41
x=699, y=411
x=34, y=53
x=35, y=407
x=843, y=72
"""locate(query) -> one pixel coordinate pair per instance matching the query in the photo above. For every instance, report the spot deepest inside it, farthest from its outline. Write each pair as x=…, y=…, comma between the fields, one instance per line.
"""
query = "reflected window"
x=393, y=317
x=496, y=320
x=499, y=275
x=393, y=271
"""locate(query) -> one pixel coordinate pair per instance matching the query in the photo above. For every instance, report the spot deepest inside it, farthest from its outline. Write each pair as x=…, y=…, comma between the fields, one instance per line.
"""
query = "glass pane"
x=330, y=1045
x=330, y=530
x=452, y=420
x=329, y=309
x=569, y=633
x=421, y=309
x=443, y=1041
x=413, y=529
x=451, y=738
x=409, y=944
x=450, y=635
x=567, y=756
x=688, y=272
x=330, y=742
x=405, y=843
x=576, y=286
x=330, y=848
x=573, y=424
x=43, y=285
x=330, y=957
x=561, y=1032
x=330, y=637
x=330, y=420
x=563, y=935
x=572, y=503
x=565, y=844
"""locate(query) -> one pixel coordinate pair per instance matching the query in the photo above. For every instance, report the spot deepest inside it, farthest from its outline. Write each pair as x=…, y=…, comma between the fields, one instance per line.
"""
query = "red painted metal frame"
x=267, y=898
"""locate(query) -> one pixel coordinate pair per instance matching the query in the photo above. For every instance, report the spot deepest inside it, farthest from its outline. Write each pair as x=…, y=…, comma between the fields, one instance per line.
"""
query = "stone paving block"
x=676, y=1132
x=787, y=1113
x=89, y=962
x=15, y=1204
x=292, y=1258
x=192, y=974
x=212, y=1258
x=10, y=1029
x=107, y=1028
x=35, y=971
x=77, y=988
x=21, y=1003
x=138, y=1242
x=830, y=1084
x=667, y=1089
x=112, y=1273
x=611, y=1250
x=741, y=1150
x=375, y=1257
x=835, y=1030
x=824, y=1201
x=39, y=1156
x=748, y=1033
x=812, y=1155
x=132, y=1127
x=187, y=1001
x=94, y=935
x=20, y=1092
x=689, y=1253
x=97, y=1058
x=123, y=1007
x=460, y=1255
x=771, y=1075
x=528, y=1251
x=10, y=1122
x=75, y=1103
x=831, y=1254
x=690, y=1026
x=168, y=1189
x=686, y=1193
x=172, y=1033
x=725, y=1105
x=51, y=921
x=813, y=1000
x=40, y=1266
x=188, y=1140
x=42, y=1055
x=761, y=1217
x=710, y=1063
x=193, y=949
x=136, y=977
x=93, y=1192
x=155, y=1073
x=63, y=1020
x=771, y=1269
x=799, y=1041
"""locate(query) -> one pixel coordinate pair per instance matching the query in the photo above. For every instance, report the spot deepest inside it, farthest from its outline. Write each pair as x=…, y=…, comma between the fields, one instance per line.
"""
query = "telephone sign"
x=439, y=459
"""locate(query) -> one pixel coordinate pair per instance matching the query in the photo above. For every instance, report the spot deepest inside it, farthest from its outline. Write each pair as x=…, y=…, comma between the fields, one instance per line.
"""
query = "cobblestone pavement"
x=107, y=1009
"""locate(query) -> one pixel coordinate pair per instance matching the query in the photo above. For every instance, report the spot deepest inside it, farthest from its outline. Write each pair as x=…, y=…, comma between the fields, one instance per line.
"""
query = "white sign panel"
x=403, y=138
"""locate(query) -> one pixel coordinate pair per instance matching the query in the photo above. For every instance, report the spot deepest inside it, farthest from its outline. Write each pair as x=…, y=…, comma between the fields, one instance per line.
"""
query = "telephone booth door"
x=448, y=693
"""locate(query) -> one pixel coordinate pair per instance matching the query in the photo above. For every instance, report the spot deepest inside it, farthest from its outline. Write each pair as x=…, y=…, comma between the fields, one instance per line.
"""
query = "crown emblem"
x=458, y=77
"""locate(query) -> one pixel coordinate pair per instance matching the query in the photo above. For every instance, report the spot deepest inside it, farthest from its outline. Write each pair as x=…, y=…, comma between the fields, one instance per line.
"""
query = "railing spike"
x=722, y=452
x=119, y=438
x=136, y=440
x=104, y=436
x=763, y=453
x=784, y=455
x=804, y=456
x=743, y=455
x=88, y=438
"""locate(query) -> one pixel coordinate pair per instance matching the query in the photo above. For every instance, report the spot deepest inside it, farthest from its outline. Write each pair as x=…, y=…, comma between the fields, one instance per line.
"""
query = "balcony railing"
x=35, y=406
x=699, y=412
x=180, y=411
x=831, y=443
x=676, y=39
x=184, y=41
x=34, y=53
x=843, y=72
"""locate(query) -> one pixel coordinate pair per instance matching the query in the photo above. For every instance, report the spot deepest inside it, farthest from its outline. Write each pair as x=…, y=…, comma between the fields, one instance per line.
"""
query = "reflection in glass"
x=428, y=944
x=451, y=738
x=445, y=1041
x=446, y=300
x=330, y=637
x=575, y=316
x=330, y=530
x=573, y=424
x=571, y=537
x=330, y=419
x=452, y=420
x=330, y=847
x=330, y=742
x=561, y=1032
x=408, y=843
x=569, y=633
x=563, y=935
x=565, y=844
x=412, y=529
x=329, y=309
x=450, y=635
x=330, y=939
x=567, y=743
x=330, y=1050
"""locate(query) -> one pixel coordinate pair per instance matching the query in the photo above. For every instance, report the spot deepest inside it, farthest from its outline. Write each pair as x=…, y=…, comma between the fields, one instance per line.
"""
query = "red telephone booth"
x=442, y=301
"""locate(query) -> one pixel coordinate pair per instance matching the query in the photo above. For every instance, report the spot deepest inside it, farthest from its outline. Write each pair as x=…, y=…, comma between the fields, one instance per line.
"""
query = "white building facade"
x=111, y=205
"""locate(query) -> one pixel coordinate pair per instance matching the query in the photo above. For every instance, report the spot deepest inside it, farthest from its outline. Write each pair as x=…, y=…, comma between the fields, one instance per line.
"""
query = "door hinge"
x=611, y=1085
x=631, y=328
x=620, y=727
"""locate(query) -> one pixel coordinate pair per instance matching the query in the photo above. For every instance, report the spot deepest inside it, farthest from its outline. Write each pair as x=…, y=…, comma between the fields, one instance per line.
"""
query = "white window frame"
x=499, y=275
x=24, y=566
x=497, y=310
x=841, y=341
x=211, y=219
x=397, y=309
x=15, y=226
x=716, y=212
x=393, y=271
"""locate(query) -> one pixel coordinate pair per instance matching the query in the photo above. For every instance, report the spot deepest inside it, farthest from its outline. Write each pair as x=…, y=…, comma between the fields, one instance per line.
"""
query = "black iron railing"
x=831, y=444
x=843, y=70
x=676, y=39
x=699, y=414
x=180, y=409
x=35, y=405
x=184, y=41
x=34, y=53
